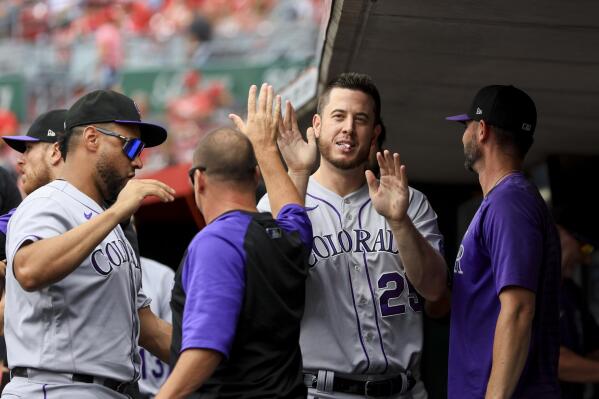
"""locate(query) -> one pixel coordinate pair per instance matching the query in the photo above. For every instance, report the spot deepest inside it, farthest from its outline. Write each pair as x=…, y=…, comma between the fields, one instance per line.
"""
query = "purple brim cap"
x=459, y=118
x=18, y=142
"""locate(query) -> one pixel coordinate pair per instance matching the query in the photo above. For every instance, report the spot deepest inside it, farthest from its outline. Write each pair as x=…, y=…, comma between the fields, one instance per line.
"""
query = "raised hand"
x=134, y=192
x=390, y=195
x=299, y=156
x=261, y=126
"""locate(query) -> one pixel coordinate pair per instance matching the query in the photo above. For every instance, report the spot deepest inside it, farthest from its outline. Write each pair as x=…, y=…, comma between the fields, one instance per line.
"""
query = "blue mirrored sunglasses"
x=132, y=147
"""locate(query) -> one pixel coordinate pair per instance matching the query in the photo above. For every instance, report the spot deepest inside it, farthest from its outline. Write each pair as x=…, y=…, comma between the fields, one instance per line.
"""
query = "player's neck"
x=340, y=181
x=226, y=201
x=492, y=174
x=80, y=176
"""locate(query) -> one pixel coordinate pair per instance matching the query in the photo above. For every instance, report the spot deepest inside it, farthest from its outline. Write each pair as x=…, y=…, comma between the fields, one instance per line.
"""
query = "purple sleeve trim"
x=205, y=344
x=294, y=218
x=214, y=283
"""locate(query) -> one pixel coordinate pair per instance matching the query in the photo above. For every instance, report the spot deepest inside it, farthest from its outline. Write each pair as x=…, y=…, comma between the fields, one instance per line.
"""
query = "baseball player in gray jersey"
x=74, y=305
x=376, y=253
x=157, y=282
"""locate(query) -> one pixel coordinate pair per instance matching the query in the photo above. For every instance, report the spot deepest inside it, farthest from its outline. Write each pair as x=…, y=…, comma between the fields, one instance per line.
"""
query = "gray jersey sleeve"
x=34, y=220
x=142, y=300
x=425, y=219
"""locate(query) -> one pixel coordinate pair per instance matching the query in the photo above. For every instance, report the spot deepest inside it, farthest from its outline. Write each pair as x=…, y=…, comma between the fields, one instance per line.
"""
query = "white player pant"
x=417, y=392
x=21, y=388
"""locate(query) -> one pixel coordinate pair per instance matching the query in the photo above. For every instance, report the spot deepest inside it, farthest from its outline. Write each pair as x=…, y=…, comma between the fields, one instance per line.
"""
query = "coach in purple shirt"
x=504, y=334
x=239, y=294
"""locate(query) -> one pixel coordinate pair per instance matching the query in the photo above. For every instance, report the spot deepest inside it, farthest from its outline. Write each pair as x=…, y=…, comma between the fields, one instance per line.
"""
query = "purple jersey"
x=214, y=288
x=511, y=241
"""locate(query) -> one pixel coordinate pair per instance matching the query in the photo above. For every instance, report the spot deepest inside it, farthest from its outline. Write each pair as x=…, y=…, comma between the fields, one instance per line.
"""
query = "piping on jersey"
x=374, y=301
x=133, y=295
x=350, y=284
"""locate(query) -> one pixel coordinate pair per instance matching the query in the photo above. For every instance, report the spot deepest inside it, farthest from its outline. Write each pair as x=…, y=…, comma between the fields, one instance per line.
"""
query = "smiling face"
x=345, y=130
x=113, y=167
x=34, y=166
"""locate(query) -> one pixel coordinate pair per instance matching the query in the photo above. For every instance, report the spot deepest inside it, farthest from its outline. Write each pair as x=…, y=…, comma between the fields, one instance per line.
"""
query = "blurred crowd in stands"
x=64, y=48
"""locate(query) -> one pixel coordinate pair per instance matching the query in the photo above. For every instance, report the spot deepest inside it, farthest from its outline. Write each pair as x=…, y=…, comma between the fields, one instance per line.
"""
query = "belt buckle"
x=377, y=385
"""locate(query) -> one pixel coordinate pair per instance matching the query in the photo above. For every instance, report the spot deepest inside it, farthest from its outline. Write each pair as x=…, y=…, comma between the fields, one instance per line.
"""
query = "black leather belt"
x=370, y=389
x=118, y=386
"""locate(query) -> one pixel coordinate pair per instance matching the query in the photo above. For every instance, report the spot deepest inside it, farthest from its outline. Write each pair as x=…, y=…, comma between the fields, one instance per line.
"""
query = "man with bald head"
x=239, y=293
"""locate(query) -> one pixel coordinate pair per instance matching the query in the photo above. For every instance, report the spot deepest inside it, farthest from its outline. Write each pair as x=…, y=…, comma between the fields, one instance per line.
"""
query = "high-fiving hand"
x=261, y=126
x=298, y=155
x=389, y=195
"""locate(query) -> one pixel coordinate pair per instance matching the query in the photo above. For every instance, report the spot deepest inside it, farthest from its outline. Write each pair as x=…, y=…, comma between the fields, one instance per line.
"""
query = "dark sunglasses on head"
x=192, y=172
x=132, y=147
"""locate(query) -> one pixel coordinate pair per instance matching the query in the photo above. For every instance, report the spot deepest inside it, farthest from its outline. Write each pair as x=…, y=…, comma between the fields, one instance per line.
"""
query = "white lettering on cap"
x=479, y=111
x=51, y=133
x=527, y=127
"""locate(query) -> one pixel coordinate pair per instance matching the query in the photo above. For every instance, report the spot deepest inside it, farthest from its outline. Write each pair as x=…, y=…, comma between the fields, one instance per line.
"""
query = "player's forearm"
x=47, y=261
x=193, y=367
x=510, y=350
x=155, y=334
x=576, y=368
x=425, y=267
x=300, y=181
x=279, y=187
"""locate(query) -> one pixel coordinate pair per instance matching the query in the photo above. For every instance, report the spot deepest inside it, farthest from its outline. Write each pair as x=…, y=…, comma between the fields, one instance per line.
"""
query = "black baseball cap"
x=103, y=106
x=506, y=107
x=47, y=128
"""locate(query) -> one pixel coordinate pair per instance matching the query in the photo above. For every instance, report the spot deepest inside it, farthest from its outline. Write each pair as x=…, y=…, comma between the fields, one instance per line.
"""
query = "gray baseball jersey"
x=362, y=316
x=87, y=322
x=158, y=281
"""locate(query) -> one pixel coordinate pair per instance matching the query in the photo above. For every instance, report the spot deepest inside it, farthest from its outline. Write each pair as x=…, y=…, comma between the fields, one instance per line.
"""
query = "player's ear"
x=316, y=124
x=55, y=155
x=377, y=131
x=483, y=132
x=91, y=138
x=200, y=182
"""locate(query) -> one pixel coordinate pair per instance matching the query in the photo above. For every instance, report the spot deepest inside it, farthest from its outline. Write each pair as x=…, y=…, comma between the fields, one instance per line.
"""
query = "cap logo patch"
x=137, y=109
x=479, y=111
x=527, y=127
x=51, y=133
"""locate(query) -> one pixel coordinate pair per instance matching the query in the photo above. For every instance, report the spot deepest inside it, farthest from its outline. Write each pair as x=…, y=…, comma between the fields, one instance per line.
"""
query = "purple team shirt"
x=213, y=276
x=511, y=241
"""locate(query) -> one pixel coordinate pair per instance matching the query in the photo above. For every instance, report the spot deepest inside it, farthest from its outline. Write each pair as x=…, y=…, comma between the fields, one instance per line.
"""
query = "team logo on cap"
x=137, y=109
x=479, y=111
x=526, y=127
x=51, y=133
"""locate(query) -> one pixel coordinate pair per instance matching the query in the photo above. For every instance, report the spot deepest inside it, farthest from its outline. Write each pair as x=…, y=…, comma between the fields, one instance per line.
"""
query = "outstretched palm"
x=262, y=121
x=390, y=194
x=298, y=155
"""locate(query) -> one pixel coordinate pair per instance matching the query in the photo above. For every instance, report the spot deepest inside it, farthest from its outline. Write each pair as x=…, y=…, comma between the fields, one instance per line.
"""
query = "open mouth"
x=345, y=145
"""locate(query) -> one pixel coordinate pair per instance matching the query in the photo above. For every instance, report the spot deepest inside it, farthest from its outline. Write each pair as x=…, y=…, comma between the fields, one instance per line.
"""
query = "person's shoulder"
x=227, y=228
x=48, y=191
x=416, y=195
x=516, y=191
